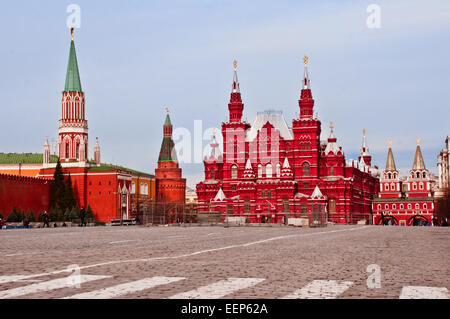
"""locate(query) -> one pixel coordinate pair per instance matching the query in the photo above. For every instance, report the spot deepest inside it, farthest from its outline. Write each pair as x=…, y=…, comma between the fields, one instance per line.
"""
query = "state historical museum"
x=270, y=171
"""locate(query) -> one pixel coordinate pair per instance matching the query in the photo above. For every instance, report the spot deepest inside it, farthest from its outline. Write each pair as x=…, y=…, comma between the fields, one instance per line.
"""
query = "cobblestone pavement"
x=218, y=262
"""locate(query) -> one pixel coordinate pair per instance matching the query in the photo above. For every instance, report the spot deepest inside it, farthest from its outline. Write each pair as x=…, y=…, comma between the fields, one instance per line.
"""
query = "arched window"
x=414, y=186
x=386, y=206
x=278, y=170
x=286, y=205
x=247, y=206
x=269, y=171
x=305, y=169
x=392, y=187
x=332, y=206
x=260, y=171
x=418, y=175
x=67, y=150
x=389, y=175
x=421, y=186
x=424, y=206
x=78, y=151
x=386, y=187
x=234, y=172
x=394, y=206
x=331, y=170
x=424, y=175
x=409, y=206
x=133, y=188
x=417, y=206
x=401, y=206
x=213, y=174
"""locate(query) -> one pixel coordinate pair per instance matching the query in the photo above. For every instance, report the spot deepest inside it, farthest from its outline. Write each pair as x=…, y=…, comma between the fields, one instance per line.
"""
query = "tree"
x=30, y=216
x=41, y=217
x=57, y=188
x=89, y=214
x=13, y=216
x=75, y=213
x=67, y=215
x=69, y=197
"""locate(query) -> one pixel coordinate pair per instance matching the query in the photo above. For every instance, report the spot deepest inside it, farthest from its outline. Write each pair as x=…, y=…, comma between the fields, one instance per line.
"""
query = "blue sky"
x=137, y=57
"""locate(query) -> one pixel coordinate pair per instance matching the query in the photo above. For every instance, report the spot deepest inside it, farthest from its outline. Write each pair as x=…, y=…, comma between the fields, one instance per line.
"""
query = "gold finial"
x=364, y=132
x=71, y=32
x=390, y=143
x=331, y=125
x=305, y=60
x=167, y=110
x=235, y=65
x=418, y=141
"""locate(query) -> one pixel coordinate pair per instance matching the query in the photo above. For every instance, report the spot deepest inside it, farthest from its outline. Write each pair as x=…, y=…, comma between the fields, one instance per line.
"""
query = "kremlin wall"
x=269, y=172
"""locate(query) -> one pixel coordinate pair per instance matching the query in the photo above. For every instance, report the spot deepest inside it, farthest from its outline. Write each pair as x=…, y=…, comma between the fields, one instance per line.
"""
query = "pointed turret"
x=332, y=145
x=365, y=155
x=235, y=106
x=97, y=153
x=390, y=163
x=306, y=101
x=73, y=126
x=419, y=163
x=73, y=82
x=167, y=153
x=248, y=171
x=286, y=171
x=46, y=156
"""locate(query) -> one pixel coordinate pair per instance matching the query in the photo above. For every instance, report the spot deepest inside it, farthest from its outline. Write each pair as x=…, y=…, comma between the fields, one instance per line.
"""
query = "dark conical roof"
x=73, y=82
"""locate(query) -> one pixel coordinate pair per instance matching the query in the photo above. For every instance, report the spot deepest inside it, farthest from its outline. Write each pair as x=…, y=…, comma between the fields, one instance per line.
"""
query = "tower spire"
x=390, y=162
x=73, y=82
x=306, y=101
x=419, y=163
x=364, y=154
x=235, y=106
x=167, y=153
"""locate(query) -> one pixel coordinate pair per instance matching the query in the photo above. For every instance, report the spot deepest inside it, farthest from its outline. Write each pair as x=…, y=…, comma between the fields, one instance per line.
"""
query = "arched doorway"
x=388, y=221
x=418, y=220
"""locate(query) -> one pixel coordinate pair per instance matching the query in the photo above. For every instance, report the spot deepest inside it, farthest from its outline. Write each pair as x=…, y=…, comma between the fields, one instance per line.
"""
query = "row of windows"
x=100, y=183
x=414, y=186
x=143, y=189
x=269, y=170
x=394, y=206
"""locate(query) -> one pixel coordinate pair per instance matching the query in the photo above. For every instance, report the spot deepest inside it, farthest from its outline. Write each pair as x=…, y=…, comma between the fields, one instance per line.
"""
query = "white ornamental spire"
x=306, y=83
x=235, y=87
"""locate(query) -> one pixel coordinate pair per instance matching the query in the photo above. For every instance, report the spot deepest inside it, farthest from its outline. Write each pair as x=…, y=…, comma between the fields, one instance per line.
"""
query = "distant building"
x=404, y=201
x=270, y=171
x=107, y=188
x=443, y=167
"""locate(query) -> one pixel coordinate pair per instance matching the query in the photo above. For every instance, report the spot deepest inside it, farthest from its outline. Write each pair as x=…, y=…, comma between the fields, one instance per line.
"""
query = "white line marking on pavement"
x=218, y=289
x=48, y=285
x=121, y=241
x=418, y=292
x=5, y=279
x=127, y=288
x=189, y=254
x=321, y=289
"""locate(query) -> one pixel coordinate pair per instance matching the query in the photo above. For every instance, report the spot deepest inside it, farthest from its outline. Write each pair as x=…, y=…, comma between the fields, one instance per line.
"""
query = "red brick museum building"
x=270, y=171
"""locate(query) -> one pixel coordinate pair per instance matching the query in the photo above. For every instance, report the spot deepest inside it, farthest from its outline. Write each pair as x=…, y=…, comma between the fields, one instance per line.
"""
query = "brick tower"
x=73, y=126
x=170, y=186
